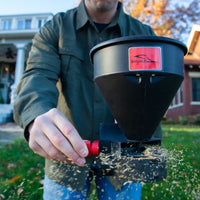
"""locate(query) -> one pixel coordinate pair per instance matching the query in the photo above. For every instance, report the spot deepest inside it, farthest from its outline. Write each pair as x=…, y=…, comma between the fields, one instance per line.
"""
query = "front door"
x=6, y=80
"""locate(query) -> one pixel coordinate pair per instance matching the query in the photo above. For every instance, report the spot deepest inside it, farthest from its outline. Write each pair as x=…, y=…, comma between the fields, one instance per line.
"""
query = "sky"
x=8, y=7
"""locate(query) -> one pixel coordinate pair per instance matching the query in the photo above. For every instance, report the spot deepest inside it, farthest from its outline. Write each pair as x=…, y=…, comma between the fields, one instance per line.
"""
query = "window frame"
x=178, y=98
x=24, y=24
x=7, y=24
x=194, y=75
x=197, y=90
x=41, y=22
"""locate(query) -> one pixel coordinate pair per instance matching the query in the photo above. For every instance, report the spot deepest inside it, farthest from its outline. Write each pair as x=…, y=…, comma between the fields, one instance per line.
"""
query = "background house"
x=16, y=34
x=187, y=99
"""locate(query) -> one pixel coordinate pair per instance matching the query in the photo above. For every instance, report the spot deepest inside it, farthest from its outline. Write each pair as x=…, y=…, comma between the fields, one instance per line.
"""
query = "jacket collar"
x=82, y=17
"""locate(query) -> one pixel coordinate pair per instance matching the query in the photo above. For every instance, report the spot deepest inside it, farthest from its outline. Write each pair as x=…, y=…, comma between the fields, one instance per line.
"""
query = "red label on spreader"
x=145, y=58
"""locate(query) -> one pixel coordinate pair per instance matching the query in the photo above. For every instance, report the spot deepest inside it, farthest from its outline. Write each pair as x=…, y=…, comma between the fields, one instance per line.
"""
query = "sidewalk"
x=10, y=132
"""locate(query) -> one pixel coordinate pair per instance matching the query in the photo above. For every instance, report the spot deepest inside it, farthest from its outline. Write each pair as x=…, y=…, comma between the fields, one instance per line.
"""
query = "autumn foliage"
x=166, y=17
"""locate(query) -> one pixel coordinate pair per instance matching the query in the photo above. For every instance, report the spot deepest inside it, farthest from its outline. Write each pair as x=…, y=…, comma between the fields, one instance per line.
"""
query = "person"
x=58, y=104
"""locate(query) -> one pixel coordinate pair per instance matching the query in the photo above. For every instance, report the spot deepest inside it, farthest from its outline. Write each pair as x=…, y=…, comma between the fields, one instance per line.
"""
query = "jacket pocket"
x=68, y=55
x=71, y=62
x=75, y=62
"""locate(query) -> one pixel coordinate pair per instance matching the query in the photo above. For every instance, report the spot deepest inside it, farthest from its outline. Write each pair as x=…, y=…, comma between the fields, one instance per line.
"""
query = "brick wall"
x=186, y=109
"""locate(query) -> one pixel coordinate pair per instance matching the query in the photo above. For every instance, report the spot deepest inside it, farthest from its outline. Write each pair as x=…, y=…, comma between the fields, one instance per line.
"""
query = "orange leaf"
x=15, y=179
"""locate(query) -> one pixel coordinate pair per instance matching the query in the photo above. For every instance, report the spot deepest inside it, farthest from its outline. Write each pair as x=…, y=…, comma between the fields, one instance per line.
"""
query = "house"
x=16, y=34
x=187, y=99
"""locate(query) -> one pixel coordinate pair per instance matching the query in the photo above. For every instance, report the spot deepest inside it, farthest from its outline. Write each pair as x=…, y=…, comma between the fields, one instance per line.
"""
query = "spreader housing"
x=138, y=77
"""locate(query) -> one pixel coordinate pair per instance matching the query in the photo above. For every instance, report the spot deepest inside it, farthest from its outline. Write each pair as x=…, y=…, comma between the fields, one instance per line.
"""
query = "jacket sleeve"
x=37, y=92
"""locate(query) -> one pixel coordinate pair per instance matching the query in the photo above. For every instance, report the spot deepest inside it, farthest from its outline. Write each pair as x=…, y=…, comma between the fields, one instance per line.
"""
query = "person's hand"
x=54, y=137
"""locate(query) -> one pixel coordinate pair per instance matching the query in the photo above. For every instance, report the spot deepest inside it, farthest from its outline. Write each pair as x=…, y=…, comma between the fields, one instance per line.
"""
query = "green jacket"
x=60, y=57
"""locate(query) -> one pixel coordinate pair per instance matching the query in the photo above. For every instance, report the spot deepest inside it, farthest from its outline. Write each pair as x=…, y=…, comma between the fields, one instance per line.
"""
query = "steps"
x=6, y=113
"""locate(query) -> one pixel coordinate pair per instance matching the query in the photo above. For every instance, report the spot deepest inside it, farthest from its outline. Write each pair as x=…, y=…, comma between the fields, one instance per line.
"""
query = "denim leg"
x=130, y=191
x=54, y=191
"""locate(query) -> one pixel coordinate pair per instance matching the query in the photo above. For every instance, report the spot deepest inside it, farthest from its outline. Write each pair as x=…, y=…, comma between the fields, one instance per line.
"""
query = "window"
x=27, y=24
x=41, y=22
x=7, y=25
x=195, y=89
x=24, y=24
x=20, y=24
x=178, y=99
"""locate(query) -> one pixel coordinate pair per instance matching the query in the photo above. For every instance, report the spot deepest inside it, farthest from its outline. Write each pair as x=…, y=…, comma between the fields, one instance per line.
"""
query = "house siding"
x=187, y=108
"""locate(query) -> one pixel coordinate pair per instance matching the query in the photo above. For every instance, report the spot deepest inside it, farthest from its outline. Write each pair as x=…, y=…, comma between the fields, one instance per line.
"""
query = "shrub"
x=190, y=120
x=197, y=119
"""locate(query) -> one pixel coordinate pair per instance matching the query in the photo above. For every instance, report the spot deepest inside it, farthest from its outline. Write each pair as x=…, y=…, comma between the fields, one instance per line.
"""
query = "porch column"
x=19, y=69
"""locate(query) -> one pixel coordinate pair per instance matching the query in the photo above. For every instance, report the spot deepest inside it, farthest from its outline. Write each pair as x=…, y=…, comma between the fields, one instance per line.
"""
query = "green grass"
x=21, y=171
x=182, y=182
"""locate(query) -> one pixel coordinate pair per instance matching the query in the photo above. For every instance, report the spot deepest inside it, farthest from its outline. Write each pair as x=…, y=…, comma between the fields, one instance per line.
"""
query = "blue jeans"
x=54, y=191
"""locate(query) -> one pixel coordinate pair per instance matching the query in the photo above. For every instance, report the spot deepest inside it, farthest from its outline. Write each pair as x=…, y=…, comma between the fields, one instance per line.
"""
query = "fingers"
x=53, y=136
x=38, y=150
x=44, y=147
x=69, y=132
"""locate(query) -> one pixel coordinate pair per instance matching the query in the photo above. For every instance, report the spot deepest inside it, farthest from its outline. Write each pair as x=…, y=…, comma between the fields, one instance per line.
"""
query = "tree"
x=167, y=18
x=185, y=17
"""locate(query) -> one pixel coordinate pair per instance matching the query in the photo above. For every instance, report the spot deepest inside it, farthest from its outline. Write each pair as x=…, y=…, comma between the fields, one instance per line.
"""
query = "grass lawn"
x=21, y=172
x=183, y=180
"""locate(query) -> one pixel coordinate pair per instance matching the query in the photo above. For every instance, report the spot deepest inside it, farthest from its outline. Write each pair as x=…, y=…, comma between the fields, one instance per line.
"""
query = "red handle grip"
x=93, y=148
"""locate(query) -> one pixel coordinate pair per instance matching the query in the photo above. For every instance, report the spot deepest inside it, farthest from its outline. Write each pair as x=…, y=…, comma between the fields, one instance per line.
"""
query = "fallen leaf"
x=195, y=163
x=41, y=182
x=11, y=166
x=2, y=196
x=2, y=173
x=15, y=179
x=19, y=191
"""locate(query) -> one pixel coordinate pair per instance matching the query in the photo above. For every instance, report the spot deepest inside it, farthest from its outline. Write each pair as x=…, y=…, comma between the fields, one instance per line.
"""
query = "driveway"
x=10, y=132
